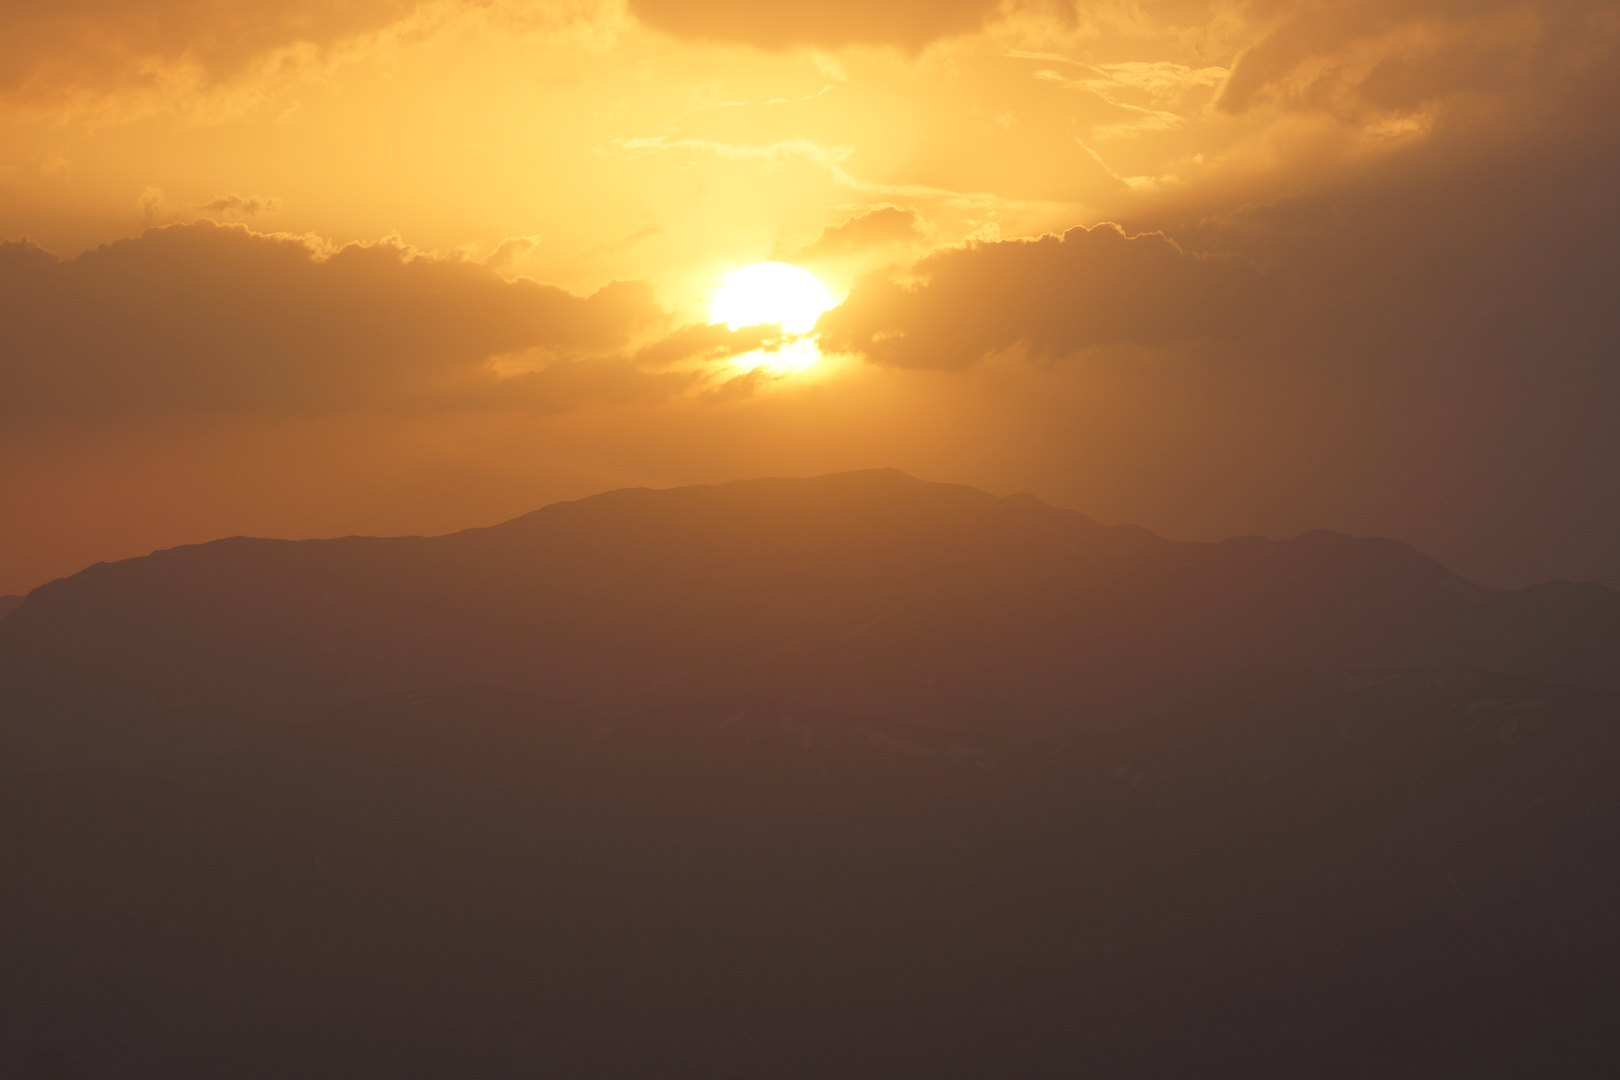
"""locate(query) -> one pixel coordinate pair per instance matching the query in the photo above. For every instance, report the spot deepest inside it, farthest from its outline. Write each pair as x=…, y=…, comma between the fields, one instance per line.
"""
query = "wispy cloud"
x=245, y=205
x=781, y=150
x=1159, y=84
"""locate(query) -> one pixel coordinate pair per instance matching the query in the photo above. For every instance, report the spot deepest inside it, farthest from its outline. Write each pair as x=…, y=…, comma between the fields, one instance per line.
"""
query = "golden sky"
x=304, y=269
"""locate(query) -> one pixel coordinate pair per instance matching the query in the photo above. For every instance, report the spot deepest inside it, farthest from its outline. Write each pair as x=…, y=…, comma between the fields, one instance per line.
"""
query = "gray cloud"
x=1363, y=58
x=1053, y=295
x=907, y=24
x=206, y=317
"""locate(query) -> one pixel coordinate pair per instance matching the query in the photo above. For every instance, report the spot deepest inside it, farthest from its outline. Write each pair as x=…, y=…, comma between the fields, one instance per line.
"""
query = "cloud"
x=150, y=202
x=218, y=317
x=1364, y=59
x=741, y=387
x=905, y=24
x=565, y=385
x=245, y=205
x=1159, y=87
x=510, y=250
x=48, y=51
x=870, y=228
x=706, y=342
x=624, y=242
x=779, y=150
x=1053, y=295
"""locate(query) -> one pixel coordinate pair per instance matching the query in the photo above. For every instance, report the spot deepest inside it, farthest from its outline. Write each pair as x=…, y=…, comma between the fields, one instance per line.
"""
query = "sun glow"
x=778, y=294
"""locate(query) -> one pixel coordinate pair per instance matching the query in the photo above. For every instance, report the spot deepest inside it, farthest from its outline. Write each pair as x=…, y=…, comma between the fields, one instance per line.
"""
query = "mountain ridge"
x=850, y=776
x=870, y=591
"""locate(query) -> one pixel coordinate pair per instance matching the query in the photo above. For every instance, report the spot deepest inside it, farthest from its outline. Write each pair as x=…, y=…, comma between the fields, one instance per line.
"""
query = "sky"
x=1252, y=267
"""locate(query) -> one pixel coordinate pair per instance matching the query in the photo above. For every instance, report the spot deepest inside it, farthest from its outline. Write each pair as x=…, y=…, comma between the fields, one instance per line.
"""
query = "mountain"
x=1292, y=873
x=851, y=776
x=871, y=593
x=8, y=604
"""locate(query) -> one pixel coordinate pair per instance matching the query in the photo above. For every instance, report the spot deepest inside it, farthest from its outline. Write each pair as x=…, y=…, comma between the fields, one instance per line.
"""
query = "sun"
x=776, y=294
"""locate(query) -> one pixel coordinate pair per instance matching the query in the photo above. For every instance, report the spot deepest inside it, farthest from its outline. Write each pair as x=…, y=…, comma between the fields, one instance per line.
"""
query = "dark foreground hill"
x=1295, y=874
x=872, y=593
x=848, y=777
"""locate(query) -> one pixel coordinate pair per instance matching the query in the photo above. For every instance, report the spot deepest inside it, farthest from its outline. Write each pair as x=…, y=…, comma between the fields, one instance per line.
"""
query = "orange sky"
x=298, y=269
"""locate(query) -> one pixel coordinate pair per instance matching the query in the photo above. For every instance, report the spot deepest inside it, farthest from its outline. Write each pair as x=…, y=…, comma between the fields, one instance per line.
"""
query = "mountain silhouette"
x=1293, y=873
x=854, y=776
x=869, y=592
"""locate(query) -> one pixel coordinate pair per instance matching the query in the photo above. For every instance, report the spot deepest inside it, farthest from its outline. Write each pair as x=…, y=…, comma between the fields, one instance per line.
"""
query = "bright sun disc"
x=774, y=293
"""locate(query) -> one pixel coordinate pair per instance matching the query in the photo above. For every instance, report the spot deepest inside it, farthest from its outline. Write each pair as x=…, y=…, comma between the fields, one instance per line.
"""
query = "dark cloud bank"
x=214, y=317
x=1053, y=294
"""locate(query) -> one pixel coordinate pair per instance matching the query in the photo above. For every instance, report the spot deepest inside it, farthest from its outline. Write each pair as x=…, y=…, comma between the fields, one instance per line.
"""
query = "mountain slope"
x=1293, y=874
x=851, y=776
x=873, y=593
